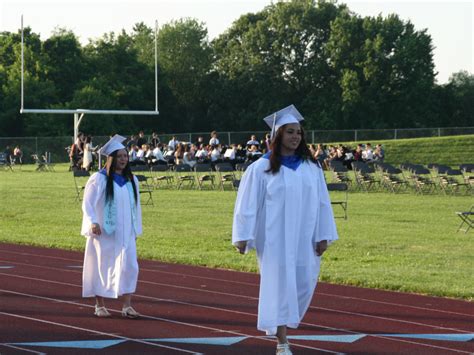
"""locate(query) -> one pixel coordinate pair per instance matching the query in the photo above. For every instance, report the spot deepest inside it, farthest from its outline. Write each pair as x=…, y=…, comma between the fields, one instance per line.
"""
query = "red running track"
x=193, y=310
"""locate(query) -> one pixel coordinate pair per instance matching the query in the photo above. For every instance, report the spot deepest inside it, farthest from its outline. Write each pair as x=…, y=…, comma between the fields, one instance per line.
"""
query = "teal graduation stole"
x=110, y=211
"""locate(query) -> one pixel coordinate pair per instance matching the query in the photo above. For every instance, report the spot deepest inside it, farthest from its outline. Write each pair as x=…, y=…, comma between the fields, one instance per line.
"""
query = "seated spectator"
x=149, y=156
x=253, y=141
x=357, y=153
x=202, y=155
x=216, y=155
x=141, y=152
x=253, y=154
x=332, y=153
x=188, y=156
x=368, y=154
x=321, y=155
x=132, y=155
x=379, y=153
x=158, y=154
x=179, y=154
x=214, y=141
x=230, y=155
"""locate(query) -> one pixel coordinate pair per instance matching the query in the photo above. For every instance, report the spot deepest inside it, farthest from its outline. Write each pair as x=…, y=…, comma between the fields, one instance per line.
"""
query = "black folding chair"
x=203, y=175
x=467, y=218
x=341, y=186
x=145, y=188
x=80, y=180
x=226, y=175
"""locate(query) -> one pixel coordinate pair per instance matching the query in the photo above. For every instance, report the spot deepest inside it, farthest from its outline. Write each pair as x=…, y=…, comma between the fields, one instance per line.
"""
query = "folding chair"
x=422, y=181
x=343, y=203
x=183, y=175
x=393, y=179
x=160, y=173
x=145, y=188
x=452, y=183
x=80, y=180
x=204, y=173
x=226, y=175
x=467, y=218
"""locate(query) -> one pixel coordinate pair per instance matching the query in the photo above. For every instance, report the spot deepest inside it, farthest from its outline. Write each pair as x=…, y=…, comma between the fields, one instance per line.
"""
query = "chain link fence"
x=57, y=147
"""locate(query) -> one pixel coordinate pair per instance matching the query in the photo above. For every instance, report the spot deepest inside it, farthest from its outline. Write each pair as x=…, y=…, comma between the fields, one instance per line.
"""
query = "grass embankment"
x=400, y=242
x=451, y=151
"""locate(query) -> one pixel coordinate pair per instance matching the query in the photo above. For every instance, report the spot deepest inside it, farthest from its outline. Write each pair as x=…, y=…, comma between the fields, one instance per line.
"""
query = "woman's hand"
x=321, y=247
x=95, y=229
x=241, y=246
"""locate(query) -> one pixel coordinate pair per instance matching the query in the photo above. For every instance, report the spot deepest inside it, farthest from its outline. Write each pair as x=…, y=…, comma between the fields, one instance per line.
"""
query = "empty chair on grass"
x=467, y=219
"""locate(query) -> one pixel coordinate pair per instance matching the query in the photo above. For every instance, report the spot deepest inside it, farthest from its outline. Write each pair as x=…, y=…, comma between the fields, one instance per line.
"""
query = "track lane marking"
x=254, y=315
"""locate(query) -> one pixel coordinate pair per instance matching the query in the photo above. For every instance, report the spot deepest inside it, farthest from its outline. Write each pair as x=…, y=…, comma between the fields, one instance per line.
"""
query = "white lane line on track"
x=257, y=285
x=254, y=315
x=22, y=349
x=256, y=299
x=166, y=320
x=94, y=331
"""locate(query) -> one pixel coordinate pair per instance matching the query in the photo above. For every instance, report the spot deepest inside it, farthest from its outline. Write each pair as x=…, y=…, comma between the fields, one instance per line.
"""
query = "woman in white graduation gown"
x=111, y=223
x=284, y=212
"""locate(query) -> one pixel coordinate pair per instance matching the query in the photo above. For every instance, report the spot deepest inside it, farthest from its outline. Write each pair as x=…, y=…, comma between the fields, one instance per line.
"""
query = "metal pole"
x=22, y=60
x=355, y=135
x=395, y=134
x=156, y=65
x=312, y=136
x=76, y=130
x=228, y=138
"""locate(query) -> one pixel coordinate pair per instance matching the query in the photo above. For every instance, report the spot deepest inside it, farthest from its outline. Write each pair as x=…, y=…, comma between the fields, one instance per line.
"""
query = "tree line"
x=341, y=70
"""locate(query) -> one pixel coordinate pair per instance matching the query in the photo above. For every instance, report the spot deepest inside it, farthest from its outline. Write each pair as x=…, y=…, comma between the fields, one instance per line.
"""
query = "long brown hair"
x=110, y=170
x=275, y=156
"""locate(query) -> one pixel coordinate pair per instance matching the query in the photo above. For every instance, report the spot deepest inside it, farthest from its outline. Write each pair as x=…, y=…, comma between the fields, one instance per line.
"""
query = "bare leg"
x=99, y=301
x=281, y=334
x=127, y=300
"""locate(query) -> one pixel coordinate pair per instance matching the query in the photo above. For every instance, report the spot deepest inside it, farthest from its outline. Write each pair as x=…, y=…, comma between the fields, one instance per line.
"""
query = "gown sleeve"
x=249, y=201
x=325, y=224
x=92, y=193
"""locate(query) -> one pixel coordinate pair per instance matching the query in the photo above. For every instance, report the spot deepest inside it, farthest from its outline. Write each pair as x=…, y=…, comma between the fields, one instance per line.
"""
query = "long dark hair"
x=302, y=151
x=110, y=170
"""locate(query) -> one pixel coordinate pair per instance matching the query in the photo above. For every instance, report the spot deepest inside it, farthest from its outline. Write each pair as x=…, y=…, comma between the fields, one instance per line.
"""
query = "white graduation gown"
x=283, y=215
x=110, y=261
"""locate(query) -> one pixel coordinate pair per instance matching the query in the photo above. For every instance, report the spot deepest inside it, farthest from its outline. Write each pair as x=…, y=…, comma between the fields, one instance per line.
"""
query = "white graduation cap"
x=287, y=115
x=115, y=143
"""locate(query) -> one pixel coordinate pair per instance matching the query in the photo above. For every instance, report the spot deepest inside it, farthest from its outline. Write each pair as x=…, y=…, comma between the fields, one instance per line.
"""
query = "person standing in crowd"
x=87, y=160
x=283, y=210
x=214, y=141
x=111, y=223
x=141, y=140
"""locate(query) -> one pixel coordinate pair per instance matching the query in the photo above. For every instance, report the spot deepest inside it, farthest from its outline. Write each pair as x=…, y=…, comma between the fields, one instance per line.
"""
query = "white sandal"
x=129, y=312
x=283, y=349
x=102, y=312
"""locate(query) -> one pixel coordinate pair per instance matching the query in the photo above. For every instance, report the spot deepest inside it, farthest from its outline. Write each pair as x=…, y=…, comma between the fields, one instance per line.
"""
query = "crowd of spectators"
x=152, y=151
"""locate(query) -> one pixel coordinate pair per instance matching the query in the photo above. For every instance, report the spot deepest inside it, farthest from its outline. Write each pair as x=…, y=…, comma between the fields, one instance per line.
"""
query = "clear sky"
x=450, y=23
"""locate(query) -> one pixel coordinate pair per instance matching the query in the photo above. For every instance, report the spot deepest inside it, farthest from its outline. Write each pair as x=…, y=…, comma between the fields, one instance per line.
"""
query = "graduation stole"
x=110, y=210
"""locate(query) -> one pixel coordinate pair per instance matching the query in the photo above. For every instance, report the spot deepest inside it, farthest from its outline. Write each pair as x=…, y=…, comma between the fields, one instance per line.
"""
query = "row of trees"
x=342, y=71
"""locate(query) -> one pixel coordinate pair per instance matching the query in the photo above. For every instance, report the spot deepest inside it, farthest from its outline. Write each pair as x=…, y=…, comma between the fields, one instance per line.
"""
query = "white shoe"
x=283, y=349
x=102, y=312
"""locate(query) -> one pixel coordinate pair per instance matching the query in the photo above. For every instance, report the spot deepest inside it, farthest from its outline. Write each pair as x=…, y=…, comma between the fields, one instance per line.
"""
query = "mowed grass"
x=403, y=242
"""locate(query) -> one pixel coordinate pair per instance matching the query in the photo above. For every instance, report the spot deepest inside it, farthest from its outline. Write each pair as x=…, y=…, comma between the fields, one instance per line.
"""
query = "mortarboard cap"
x=285, y=116
x=115, y=143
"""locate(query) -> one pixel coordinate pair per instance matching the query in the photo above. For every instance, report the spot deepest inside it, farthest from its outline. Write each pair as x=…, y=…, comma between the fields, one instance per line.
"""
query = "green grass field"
x=403, y=242
x=452, y=150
